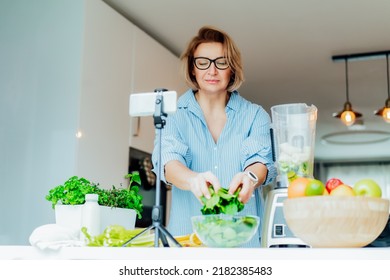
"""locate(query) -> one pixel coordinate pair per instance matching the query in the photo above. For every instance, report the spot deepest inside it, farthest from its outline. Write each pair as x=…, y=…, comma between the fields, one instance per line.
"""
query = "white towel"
x=54, y=237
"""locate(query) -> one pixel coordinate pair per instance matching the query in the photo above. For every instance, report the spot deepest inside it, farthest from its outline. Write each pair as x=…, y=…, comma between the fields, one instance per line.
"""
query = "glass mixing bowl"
x=221, y=230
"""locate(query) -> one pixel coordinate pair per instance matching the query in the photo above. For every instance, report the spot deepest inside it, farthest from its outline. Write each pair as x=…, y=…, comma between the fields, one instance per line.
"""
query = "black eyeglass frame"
x=210, y=61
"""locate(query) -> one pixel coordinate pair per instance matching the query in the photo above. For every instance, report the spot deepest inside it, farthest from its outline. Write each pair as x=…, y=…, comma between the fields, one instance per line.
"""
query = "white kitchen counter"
x=186, y=253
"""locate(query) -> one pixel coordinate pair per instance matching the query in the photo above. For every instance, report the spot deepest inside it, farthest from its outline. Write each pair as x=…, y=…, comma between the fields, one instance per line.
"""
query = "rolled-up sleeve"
x=257, y=147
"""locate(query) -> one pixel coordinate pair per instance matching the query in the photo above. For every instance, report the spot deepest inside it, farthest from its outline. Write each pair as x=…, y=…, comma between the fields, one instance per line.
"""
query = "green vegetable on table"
x=116, y=235
x=221, y=202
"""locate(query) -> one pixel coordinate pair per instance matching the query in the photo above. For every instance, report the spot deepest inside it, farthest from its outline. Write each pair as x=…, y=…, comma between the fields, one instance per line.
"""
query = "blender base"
x=275, y=232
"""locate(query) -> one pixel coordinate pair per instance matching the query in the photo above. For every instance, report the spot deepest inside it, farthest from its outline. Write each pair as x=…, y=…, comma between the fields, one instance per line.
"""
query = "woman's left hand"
x=242, y=180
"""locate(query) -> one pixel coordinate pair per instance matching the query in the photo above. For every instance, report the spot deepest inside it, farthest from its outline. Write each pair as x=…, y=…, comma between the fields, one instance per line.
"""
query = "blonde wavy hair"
x=208, y=34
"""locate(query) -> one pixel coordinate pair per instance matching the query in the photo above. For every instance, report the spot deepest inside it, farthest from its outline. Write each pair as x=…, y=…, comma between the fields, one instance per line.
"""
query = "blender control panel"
x=277, y=233
x=280, y=228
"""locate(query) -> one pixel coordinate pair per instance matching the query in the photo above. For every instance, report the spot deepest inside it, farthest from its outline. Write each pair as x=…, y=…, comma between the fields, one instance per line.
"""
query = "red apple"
x=332, y=184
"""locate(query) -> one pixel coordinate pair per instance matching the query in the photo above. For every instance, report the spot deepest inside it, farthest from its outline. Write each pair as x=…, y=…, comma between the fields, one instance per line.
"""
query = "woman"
x=216, y=137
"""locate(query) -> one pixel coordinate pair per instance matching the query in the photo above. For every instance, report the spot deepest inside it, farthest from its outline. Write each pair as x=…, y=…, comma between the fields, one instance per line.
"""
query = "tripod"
x=160, y=233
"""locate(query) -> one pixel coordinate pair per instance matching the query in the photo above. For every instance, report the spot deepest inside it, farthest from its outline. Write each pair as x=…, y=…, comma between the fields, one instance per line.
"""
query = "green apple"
x=367, y=187
x=314, y=187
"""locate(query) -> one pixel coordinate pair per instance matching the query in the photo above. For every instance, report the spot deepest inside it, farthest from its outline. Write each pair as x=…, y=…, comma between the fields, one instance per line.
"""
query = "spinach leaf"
x=221, y=202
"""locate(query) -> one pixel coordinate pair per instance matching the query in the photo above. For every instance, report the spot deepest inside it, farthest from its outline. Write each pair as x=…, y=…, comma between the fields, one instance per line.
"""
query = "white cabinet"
x=119, y=59
x=107, y=63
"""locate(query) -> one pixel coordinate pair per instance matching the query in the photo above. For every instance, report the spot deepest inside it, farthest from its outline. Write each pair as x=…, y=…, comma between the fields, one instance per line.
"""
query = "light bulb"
x=386, y=114
x=348, y=118
x=79, y=134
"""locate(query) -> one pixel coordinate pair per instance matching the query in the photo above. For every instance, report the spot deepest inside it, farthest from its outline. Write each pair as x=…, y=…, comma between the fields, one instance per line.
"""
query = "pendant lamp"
x=385, y=111
x=347, y=115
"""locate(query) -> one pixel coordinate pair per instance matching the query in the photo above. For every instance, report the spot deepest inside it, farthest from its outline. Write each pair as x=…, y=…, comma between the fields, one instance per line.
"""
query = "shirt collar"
x=234, y=103
x=188, y=100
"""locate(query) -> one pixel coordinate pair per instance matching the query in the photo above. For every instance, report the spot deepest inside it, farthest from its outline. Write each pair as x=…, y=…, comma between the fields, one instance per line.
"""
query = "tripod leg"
x=137, y=235
x=165, y=233
x=162, y=237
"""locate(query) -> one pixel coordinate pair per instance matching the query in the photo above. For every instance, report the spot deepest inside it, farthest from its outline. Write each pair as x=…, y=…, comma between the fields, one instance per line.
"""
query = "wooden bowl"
x=336, y=221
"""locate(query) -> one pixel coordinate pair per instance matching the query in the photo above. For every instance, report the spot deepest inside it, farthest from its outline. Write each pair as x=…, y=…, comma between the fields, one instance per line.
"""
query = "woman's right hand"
x=199, y=184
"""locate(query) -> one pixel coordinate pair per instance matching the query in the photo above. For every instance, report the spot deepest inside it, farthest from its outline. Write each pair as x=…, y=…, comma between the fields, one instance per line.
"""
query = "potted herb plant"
x=119, y=206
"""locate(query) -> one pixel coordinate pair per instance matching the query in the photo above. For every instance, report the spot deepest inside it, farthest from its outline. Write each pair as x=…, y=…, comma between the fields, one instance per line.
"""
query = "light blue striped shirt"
x=244, y=140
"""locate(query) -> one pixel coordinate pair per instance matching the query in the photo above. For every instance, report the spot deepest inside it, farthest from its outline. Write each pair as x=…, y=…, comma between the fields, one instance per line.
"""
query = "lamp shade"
x=347, y=115
x=386, y=115
x=385, y=111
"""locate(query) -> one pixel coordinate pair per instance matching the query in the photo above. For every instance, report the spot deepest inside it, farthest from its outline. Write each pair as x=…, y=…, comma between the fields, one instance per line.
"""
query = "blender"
x=293, y=138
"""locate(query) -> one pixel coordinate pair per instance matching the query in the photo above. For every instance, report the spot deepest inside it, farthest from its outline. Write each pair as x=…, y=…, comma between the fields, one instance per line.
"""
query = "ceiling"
x=287, y=49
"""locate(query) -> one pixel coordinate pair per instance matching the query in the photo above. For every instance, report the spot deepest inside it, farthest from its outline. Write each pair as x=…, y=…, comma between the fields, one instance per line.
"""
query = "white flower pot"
x=70, y=216
x=117, y=216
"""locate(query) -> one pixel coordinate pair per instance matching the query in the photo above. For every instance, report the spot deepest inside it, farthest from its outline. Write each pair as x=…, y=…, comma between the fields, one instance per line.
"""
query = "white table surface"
x=186, y=253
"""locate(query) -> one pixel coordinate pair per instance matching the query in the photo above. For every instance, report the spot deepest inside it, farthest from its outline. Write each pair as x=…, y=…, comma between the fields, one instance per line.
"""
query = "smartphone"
x=144, y=104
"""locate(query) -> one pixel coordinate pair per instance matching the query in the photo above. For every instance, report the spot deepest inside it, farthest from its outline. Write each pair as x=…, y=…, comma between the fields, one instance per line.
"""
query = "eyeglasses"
x=203, y=63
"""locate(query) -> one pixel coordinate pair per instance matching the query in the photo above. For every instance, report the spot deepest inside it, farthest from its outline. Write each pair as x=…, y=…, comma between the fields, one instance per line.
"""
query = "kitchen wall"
x=40, y=76
x=66, y=66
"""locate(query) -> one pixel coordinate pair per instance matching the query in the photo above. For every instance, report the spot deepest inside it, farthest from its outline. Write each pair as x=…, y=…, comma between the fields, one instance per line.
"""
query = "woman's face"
x=211, y=79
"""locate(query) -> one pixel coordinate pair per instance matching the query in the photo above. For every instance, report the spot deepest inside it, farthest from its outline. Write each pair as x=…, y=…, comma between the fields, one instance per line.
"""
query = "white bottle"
x=91, y=215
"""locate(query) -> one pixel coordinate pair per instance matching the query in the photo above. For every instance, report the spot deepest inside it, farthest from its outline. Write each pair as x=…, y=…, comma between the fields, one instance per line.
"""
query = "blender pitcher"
x=294, y=137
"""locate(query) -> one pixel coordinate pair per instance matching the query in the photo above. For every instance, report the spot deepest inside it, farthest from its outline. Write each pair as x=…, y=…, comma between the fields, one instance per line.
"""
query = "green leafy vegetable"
x=221, y=202
x=73, y=192
x=128, y=198
x=116, y=235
